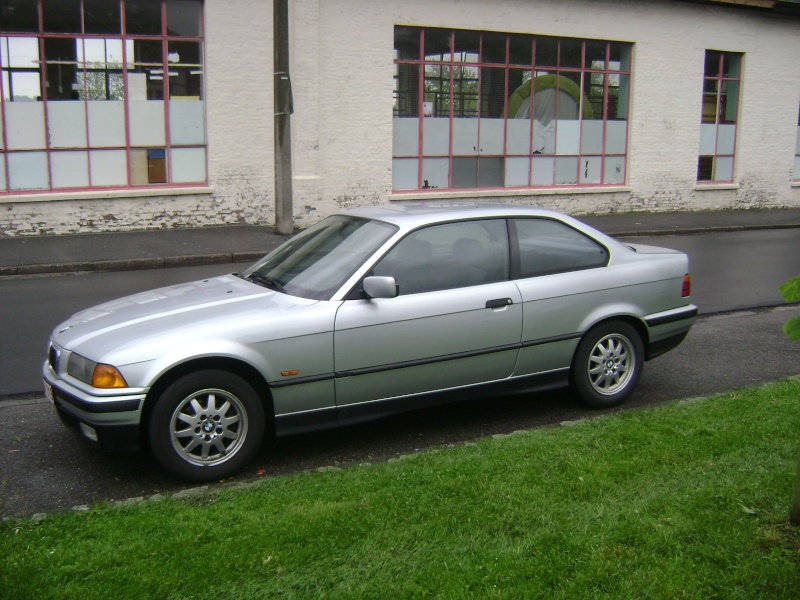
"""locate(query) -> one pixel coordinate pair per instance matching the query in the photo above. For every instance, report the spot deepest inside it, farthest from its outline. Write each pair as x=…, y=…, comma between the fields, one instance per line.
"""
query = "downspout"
x=282, y=88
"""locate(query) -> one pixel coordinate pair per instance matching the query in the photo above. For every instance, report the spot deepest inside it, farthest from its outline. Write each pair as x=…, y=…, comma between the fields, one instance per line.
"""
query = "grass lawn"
x=688, y=500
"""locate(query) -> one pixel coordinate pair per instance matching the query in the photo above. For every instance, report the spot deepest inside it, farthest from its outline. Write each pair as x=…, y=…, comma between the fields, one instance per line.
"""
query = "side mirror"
x=380, y=287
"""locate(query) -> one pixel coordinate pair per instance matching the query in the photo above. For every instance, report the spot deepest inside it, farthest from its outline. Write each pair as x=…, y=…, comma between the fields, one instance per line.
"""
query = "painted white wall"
x=342, y=69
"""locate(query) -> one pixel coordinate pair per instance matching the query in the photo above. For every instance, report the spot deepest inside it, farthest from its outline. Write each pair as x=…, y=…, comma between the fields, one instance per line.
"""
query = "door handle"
x=499, y=303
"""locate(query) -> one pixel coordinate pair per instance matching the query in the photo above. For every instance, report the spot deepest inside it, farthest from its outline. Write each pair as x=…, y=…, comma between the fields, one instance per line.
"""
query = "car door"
x=562, y=276
x=456, y=321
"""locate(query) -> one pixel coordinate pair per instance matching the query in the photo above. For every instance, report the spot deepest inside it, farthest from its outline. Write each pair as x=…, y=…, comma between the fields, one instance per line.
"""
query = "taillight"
x=686, y=290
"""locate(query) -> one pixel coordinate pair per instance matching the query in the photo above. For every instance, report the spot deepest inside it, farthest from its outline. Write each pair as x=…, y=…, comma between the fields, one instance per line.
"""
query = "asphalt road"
x=44, y=467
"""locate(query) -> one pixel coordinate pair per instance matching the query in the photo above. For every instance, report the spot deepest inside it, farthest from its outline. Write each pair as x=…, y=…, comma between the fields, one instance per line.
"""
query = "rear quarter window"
x=544, y=246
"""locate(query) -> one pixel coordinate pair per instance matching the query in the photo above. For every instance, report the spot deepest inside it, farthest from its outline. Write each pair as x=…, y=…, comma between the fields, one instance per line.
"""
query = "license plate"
x=48, y=391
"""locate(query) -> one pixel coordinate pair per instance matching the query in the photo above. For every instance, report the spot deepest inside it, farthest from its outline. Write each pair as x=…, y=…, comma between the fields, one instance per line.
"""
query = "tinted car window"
x=544, y=246
x=448, y=256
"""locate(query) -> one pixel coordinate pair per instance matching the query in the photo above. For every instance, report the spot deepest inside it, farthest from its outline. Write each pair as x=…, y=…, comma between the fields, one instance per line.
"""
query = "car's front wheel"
x=206, y=425
x=608, y=364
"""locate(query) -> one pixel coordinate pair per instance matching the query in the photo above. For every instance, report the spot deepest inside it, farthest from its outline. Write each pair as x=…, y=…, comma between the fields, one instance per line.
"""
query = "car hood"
x=186, y=310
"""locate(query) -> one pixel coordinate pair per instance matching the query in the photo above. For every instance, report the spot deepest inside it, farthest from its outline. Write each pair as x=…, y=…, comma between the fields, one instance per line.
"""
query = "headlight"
x=96, y=375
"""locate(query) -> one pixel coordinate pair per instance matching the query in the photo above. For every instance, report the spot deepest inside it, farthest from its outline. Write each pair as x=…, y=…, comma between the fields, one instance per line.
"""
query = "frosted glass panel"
x=404, y=173
x=592, y=137
x=25, y=122
x=405, y=136
x=436, y=136
x=517, y=168
x=797, y=167
x=797, y=144
x=567, y=170
x=70, y=169
x=1, y=135
x=106, y=124
x=708, y=138
x=435, y=172
x=67, y=123
x=28, y=170
x=3, y=186
x=518, y=136
x=543, y=169
x=492, y=135
x=590, y=168
x=147, y=123
x=725, y=139
x=187, y=122
x=109, y=167
x=616, y=137
x=465, y=136
x=567, y=136
x=188, y=165
x=614, y=170
x=723, y=168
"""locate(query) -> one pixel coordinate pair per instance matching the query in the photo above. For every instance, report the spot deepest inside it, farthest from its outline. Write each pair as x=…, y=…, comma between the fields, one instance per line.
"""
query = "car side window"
x=545, y=247
x=447, y=256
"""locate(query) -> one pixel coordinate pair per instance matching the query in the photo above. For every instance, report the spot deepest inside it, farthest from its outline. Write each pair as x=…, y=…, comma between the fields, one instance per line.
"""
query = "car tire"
x=206, y=425
x=608, y=364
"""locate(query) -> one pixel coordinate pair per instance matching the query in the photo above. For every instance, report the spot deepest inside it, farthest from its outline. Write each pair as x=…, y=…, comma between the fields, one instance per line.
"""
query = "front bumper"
x=113, y=422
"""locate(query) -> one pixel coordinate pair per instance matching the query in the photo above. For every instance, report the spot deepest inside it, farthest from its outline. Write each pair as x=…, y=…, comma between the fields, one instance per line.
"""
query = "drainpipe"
x=282, y=85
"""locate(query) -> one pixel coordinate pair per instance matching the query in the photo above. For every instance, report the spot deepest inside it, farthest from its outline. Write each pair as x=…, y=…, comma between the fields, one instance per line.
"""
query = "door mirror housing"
x=380, y=287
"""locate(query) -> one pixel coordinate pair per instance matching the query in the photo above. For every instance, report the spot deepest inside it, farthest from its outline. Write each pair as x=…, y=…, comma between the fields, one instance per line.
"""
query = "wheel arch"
x=632, y=320
x=244, y=370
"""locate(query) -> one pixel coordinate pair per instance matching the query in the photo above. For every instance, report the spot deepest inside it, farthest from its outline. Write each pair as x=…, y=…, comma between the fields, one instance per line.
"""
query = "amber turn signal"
x=106, y=376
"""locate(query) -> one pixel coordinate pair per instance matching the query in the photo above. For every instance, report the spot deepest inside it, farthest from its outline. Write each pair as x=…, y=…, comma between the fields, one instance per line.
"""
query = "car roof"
x=414, y=214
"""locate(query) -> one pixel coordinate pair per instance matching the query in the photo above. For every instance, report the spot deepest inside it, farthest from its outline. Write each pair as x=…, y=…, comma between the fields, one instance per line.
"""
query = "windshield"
x=318, y=261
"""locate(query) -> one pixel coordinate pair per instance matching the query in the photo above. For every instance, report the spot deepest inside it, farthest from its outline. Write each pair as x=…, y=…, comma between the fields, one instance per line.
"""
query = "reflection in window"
x=490, y=110
x=721, y=81
x=92, y=99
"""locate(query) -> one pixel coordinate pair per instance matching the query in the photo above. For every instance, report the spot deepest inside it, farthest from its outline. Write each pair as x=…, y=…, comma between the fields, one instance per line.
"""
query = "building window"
x=721, y=83
x=493, y=110
x=101, y=94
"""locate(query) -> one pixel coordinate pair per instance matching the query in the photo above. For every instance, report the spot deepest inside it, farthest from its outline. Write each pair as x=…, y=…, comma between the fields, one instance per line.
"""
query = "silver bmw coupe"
x=370, y=312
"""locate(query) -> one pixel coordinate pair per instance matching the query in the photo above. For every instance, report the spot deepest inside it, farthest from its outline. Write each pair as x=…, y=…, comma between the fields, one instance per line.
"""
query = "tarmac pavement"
x=163, y=248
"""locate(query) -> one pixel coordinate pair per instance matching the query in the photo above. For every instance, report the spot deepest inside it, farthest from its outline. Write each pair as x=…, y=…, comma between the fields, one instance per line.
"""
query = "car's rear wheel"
x=608, y=364
x=206, y=425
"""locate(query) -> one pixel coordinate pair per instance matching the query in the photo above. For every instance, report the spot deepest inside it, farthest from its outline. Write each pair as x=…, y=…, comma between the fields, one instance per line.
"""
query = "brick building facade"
x=137, y=114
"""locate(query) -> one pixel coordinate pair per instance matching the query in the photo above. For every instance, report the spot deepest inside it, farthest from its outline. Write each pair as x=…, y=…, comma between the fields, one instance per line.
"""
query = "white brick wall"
x=341, y=66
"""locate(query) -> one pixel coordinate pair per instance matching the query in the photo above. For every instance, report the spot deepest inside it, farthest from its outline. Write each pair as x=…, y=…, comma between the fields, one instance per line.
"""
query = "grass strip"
x=688, y=500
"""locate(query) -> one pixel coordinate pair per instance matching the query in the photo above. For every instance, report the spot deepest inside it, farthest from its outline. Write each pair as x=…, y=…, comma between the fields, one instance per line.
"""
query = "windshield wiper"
x=265, y=281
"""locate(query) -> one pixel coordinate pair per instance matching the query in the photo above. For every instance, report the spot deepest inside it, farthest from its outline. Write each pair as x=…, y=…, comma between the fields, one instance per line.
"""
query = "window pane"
x=448, y=257
x=543, y=170
x=143, y=17
x=517, y=171
x=108, y=167
x=723, y=168
x=467, y=46
x=729, y=102
x=547, y=247
x=494, y=48
x=148, y=166
x=465, y=172
x=28, y=171
x=146, y=123
x=596, y=54
x=188, y=165
x=25, y=86
x=712, y=64
x=546, y=52
x=67, y=124
x=20, y=52
x=435, y=173
x=405, y=136
x=406, y=43
x=406, y=90
x=106, y=124
x=570, y=53
x=490, y=172
x=705, y=168
x=70, y=169
x=437, y=45
x=19, y=15
x=185, y=70
x=521, y=50
x=25, y=125
x=614, y=171
x=435, y=137
x=566, y=170
x=101, y=16
x=590, y=169
x=404, y=173
x=184, y=18
x=60, y=16
x=187, y=122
